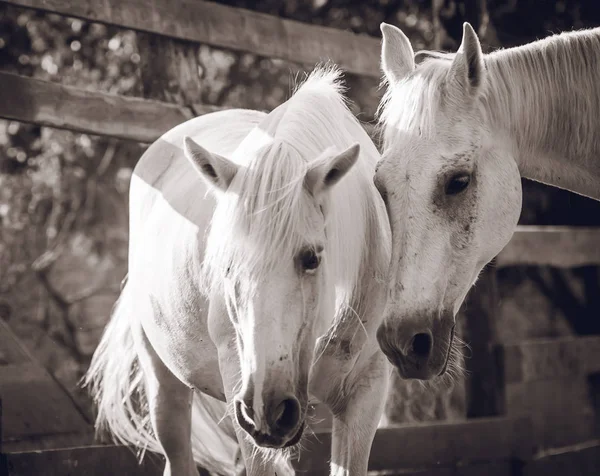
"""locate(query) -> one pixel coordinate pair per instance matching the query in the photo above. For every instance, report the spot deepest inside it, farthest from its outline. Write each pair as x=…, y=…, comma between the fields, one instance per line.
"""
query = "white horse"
x=262, y=294
x=459, y=132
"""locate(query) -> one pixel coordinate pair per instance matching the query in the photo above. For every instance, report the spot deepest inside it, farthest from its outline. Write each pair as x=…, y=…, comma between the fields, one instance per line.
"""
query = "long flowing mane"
x=262, y=217
x=545, y=92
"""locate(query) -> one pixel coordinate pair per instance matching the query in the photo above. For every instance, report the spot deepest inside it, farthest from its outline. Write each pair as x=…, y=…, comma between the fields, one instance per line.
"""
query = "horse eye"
x=457, y=184
x=309, y=260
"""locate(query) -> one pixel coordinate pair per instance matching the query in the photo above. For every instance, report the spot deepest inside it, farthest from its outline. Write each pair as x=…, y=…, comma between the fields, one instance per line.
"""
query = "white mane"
x=267, y=203
x=546, y=92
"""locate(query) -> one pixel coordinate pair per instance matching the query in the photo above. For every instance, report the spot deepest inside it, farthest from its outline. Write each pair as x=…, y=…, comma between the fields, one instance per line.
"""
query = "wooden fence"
x=525, y=432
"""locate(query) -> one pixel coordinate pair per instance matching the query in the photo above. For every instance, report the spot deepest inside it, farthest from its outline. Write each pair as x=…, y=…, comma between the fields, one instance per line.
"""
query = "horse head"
x=267, y=264
x=452, y=191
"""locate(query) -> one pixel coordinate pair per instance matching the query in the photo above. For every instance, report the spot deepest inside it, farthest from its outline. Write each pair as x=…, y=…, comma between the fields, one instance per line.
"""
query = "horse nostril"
x=421, y=344
x=286, y=414
x=245, y=416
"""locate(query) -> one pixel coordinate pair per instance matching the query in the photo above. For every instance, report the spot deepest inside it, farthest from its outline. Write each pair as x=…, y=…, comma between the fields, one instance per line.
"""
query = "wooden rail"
x=563, y=247
x=37, y=411
x=227, y=27
x=554, y=358
x=67, y=107
x=92, y=112
x=413, y=447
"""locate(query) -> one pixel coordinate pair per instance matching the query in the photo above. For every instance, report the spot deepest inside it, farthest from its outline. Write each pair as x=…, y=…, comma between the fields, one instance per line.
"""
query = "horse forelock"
x=412, y=105
x=264, y=217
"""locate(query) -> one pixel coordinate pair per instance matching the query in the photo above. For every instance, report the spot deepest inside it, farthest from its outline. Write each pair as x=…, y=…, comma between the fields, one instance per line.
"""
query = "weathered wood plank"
x=442, y=444
x=50, y=442
x=11, y=350
x=563, y=247
x=484, y=380
x=227, y=27
x=580, y=460
x=66, y=107
x=494, y=468
x=560, y=410
x=90, y=461
x=35, y=404
x=553, y=358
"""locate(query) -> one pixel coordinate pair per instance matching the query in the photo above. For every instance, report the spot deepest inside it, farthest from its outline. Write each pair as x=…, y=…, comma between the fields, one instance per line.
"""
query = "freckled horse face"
x=453, y=201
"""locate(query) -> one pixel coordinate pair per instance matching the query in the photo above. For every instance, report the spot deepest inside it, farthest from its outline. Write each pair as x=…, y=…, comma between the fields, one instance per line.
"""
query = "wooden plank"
x=51, y=442
x=66, y=107
x=563, y=247
x=484, y=379
x=551, y=358
x=35, y=404
x=441, y=444
x=91, y=461
x=487, y=468
x=560, y=410
x=227, y=27
x=580, y=460
x=11, y=349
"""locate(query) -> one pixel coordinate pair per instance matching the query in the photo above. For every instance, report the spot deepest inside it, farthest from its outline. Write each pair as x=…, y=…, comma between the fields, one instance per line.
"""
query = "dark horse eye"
x=457, y=184
x=309, y=259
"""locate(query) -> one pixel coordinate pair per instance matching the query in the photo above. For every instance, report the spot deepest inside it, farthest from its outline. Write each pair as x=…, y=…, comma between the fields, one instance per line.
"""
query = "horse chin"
x=274, y=442
x=296, y=438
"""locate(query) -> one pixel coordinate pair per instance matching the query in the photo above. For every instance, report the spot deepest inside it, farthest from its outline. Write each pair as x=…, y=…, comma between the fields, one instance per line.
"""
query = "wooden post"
x=485, y=386
x=169, y=69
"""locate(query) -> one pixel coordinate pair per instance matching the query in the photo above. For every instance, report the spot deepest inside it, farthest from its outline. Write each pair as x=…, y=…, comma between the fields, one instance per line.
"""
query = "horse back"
x=170, y=209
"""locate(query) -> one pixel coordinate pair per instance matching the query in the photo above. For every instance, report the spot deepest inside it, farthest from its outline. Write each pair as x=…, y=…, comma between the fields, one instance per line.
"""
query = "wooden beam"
x=563, y=247
x=66, y=107
x=35, y=405
x=582, y=459
x=88, y=460
x=430, y=444
x=227, y=27
x=485, y=386
x=551, y=358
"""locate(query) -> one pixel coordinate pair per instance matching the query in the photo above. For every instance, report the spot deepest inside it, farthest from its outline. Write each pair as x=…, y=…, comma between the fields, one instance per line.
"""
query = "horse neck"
x=543, y=99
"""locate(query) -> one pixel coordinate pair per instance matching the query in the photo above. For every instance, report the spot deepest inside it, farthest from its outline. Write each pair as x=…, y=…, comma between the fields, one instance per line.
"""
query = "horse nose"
x=283, y=415
x=280, y=423
x=413, y=349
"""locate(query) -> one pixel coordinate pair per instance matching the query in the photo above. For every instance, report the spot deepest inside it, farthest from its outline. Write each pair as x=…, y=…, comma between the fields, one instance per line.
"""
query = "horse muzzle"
x=281, y=426
x=419, y=348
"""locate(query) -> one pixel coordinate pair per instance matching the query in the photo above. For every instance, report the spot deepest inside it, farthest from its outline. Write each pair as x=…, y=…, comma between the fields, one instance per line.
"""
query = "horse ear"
x=213, y=168
x=397, y=55
x=468, y=68
x=329, y=169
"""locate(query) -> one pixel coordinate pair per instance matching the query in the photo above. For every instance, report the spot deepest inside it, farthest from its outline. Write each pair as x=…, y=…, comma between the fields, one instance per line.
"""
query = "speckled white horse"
x=259, y=249
x=460, y=130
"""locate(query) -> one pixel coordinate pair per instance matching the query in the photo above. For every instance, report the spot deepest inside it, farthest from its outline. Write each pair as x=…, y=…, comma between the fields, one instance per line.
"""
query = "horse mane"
x=411, y=105
x=518, y=94
x=267, y=203
x=547, y=92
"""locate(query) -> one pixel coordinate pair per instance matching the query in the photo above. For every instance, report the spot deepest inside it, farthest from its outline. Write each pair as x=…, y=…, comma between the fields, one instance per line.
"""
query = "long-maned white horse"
x=259, y=249
x=460, y=130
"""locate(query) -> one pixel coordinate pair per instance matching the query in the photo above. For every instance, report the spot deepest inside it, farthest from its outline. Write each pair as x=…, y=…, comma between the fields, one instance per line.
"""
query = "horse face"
x=277, y=326
x=267, y=254
x=453, y=198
